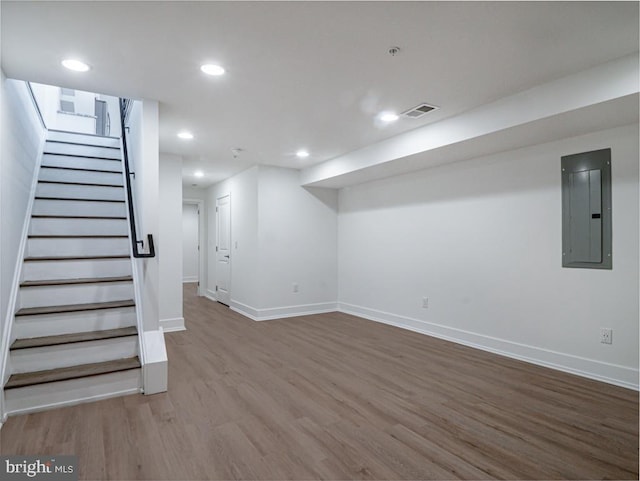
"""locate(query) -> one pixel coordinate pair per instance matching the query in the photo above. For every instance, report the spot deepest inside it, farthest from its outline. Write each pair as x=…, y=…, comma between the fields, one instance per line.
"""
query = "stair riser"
x=79, y=162
x=83, y=139
x=84, y=150
x=40, y=226
x=66, y=191
x=72, y=322
x=66, y=355
x=75, y=294
x=77, y=247
x=81, y=176
x=74, y=391
x=46, y=270
x=73, y=207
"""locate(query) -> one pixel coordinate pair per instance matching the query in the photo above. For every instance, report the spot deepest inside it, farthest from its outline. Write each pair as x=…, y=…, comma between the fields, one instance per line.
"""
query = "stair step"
x=73, y=372
x=78, y=189
x=74, y=258
x=78, y=246
x=77, y=199
x=71, y=322
x=82, y=143
x=77, y=236
x=82, y=150
x=74, y=226
x=30, y=311
x=80, y=169
x=90, y=184
x=59, y=282
x=59, y=216
x=93, y=139
x=71, y=338
x=79, y=207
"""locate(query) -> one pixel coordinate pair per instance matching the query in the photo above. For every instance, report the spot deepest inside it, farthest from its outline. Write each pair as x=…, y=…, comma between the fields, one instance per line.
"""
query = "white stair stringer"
x=75, y=335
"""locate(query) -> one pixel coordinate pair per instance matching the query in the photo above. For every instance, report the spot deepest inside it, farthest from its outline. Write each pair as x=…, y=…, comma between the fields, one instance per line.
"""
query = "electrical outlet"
x=295, y=287
x=425, y=302
x=606, y=335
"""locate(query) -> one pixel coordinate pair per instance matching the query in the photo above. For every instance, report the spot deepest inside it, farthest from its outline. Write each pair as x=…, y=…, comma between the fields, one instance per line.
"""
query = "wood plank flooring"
x=333, y=396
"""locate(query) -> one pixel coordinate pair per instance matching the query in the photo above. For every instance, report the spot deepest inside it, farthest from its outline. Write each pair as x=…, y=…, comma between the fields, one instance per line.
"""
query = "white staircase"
x=75, y=335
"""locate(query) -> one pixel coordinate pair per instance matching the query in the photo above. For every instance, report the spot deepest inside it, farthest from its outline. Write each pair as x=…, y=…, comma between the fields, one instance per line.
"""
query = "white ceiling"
x=306, y=74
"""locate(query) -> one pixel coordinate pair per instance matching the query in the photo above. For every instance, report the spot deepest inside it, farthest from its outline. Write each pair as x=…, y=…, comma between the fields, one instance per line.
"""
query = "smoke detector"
x=418, y=111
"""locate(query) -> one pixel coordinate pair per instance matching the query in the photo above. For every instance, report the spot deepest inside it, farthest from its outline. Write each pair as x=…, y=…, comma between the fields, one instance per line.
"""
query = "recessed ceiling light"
x=198, y=173
x=185, y=135
x=388, y=116
x=302, y=154
x=75, y=65
x=211, y=69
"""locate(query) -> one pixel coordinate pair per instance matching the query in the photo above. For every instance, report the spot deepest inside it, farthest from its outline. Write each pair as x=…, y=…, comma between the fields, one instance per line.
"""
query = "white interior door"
x=223, y=249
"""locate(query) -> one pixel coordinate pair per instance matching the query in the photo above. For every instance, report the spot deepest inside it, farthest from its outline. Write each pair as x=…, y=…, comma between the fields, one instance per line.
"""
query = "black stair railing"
x=125, y=106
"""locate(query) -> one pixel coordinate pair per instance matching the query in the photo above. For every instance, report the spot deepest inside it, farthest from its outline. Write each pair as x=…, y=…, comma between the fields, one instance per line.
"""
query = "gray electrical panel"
x=586, y=210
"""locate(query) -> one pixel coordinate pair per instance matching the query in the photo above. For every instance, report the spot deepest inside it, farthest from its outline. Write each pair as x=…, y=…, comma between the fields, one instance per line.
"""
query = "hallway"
x=333, y=396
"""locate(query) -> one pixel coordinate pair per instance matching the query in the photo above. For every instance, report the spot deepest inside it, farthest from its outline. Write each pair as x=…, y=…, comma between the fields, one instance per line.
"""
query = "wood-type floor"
x=333, y=396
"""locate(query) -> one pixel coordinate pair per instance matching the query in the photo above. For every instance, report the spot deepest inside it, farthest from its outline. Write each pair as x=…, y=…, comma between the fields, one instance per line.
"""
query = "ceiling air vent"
x=418, y=111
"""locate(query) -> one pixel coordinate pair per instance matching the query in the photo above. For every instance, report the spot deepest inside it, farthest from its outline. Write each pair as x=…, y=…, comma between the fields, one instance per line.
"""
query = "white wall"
x=281, y=234
x=482, y=240
x=297, y=237
x=169, y=243
x=190, y=241
x=144, y=157
x=22, y=137
x=194, y=193
x=21, y=140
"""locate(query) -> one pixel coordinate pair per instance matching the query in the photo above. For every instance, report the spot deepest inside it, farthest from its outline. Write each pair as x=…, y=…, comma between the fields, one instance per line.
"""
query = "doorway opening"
x=193, y=243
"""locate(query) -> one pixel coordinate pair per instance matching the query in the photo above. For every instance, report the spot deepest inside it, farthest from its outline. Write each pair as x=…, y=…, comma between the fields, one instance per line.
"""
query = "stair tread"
x=53, y=141
x=58, y=216
x=88, y=184
x=97, y=157
x=73, y=338
x=44, y=166
x=82, y=134
x=86, y=280
x=75, y=258
x=79, y=199
x=31, y=311
x=74, y=236
x=73, y=372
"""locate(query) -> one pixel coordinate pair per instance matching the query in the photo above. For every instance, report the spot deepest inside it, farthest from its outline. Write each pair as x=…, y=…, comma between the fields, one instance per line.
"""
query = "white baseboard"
x=272, y=313
x=589, y=368
x=211, y=295
x=187, y=280
x=172, y=325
